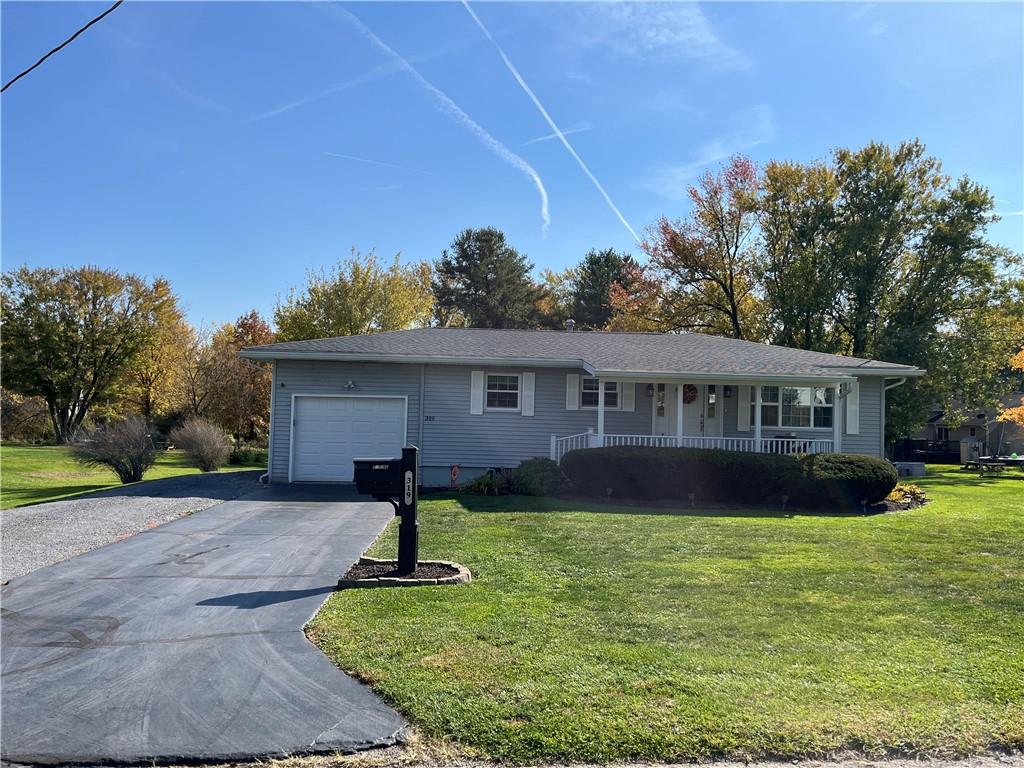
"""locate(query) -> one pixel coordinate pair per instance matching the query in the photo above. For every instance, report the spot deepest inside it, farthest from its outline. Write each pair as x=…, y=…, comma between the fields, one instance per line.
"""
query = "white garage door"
x=329, y=432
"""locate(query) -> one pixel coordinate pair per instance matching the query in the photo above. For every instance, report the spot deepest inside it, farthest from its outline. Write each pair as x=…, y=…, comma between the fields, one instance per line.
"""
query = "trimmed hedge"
x=537, y=477
x=846, y=479
x=673, y=474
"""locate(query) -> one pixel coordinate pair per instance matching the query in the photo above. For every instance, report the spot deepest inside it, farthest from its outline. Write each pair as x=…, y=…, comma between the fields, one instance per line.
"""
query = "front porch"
x=788, y=418
x=780, y=445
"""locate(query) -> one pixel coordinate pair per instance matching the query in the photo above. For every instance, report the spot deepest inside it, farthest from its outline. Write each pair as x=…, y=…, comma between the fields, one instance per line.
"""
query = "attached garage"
x=329, y=431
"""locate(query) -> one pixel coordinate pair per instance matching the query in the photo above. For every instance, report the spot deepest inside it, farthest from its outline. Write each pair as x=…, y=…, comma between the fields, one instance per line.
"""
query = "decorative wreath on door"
x=689, y=393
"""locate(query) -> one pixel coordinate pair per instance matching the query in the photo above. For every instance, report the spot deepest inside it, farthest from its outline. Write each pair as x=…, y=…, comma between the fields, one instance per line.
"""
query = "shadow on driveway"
x=263, y=598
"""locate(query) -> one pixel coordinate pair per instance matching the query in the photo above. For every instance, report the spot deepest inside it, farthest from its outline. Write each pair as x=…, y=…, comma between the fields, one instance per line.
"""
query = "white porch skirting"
x=779, y=445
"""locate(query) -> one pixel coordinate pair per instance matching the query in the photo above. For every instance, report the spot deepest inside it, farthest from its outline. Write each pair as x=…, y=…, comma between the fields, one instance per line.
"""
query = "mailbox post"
x=395, y=481
x=409, y=525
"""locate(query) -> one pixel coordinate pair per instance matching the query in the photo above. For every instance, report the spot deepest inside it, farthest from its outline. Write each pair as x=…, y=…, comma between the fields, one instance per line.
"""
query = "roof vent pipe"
x=570, y=325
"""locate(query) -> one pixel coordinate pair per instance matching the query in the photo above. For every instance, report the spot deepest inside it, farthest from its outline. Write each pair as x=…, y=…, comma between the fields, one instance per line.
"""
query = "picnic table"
x=994, y=464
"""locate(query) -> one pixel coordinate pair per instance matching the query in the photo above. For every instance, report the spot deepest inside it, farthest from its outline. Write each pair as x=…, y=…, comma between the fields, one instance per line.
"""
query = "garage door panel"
x=329, y=432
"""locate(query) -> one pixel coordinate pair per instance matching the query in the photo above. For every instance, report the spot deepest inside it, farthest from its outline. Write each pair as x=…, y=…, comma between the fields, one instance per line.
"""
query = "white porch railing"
x=789, y=446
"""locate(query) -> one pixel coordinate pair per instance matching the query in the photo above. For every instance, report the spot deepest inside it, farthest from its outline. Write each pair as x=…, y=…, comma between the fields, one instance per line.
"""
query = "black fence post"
x=408, y=526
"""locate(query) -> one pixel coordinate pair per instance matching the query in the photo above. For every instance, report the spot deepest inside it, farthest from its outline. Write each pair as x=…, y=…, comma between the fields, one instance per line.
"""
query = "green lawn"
x=596, y=635
x=30, y=474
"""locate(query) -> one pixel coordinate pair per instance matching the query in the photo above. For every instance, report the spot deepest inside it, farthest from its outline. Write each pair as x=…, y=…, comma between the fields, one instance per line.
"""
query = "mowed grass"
x=594, y=634
x=31, y=474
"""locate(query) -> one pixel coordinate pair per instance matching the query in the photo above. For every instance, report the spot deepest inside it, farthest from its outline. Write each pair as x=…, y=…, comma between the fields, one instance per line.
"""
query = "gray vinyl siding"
x=502, y=439
x=869, y=441
x=298, y=377
x=451, y=435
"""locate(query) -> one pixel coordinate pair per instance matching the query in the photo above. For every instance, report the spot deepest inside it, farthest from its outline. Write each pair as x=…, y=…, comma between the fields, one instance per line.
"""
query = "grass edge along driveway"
x=593, y=634
x=31, y=474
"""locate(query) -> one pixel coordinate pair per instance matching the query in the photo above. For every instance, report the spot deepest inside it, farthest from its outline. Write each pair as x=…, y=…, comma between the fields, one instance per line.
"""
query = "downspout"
x=885, y=388
x=265, y=478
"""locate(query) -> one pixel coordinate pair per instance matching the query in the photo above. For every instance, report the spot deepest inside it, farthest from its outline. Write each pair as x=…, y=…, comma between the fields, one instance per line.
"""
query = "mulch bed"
x=683, y=506
x=390, y=570
x=375, y=572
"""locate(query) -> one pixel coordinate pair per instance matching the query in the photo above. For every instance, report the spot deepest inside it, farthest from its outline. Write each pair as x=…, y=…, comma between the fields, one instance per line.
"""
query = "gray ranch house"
x=477, y=399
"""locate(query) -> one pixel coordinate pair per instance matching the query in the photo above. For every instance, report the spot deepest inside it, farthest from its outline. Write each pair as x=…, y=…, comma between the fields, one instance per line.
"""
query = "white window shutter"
x=476, y=393
x=529, y=382
x=853, y=409
x=628, y=395
x=743, y=409
x=572, y=392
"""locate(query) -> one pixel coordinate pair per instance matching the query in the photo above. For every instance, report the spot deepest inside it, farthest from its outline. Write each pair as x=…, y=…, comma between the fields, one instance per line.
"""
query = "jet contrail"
x=376, y=73
x=550, y=122
x=377, y=162
x=453, y=110
x=566, y=132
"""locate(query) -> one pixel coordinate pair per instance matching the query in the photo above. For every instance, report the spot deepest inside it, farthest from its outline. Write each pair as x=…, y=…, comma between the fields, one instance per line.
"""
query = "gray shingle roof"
x=624, y=353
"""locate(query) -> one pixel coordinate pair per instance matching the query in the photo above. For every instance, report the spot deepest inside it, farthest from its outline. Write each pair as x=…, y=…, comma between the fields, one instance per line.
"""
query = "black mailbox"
x=395, y=481
x=380, y=478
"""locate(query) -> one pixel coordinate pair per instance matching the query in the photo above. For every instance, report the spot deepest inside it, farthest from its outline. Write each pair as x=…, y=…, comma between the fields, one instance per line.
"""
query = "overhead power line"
x=13, y=80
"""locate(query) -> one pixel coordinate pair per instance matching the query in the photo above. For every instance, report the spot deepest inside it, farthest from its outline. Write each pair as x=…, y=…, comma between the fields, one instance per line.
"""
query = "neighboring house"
x=475, y=399
x=941, y=438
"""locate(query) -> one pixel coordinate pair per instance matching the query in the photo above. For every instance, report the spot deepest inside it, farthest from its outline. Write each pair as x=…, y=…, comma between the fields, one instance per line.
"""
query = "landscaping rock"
x=374, y=572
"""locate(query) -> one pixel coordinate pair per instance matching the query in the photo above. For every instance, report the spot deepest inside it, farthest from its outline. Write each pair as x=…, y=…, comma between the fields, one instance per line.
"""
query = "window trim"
x=519, y=393
x=778, y=405
x=606, y=382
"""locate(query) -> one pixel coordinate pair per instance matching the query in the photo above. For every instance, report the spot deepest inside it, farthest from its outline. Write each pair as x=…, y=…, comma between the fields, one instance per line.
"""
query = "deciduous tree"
x=359, y=295
x=240, y=399
x=1015, y=414
x=555, y=297
x=797, y=272
x=70, y=334
x=705, y=265
x=152, y=386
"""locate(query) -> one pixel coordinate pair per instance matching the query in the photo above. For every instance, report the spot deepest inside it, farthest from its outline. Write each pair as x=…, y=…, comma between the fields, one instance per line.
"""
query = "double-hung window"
x=589, y=393
x=797, y=407
x=503, y=392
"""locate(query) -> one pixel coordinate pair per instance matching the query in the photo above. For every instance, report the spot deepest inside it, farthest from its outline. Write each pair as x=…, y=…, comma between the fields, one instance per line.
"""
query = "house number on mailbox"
x=408, y=487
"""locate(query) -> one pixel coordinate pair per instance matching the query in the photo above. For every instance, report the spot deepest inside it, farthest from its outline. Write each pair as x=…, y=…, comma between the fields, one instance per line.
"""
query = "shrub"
x=488, y=484
x=24, y=419
x=909, y=493
x=701, y=475
x=846, y=479
x=126, y=447
x=248, y=454
x=205, y=443
x=537, y=477
x=675, y=473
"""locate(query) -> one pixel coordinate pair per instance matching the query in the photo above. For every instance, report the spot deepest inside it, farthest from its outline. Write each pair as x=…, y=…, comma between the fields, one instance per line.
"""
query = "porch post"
x=837, y=433
x=757, y=419
x=679, y=415
x=600, y=413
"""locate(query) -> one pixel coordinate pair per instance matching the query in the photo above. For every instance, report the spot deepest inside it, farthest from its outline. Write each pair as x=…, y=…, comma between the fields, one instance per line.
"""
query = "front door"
x=713, y=410
x=694, y=396
x=664, y=409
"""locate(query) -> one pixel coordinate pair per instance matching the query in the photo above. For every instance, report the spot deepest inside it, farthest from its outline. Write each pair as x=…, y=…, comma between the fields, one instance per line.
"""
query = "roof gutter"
x=879, y=371
x=645, y=376
x=350, y=357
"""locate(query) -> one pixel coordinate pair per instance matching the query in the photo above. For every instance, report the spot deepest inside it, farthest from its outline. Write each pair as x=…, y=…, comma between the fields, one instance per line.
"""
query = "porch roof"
x=621, y=355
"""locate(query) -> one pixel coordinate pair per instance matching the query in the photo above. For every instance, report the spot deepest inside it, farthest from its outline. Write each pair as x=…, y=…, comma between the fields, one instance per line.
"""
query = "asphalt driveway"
x=185, y=643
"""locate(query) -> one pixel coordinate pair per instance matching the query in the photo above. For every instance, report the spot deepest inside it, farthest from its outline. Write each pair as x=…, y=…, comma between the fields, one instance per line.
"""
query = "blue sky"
x=213, y=143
